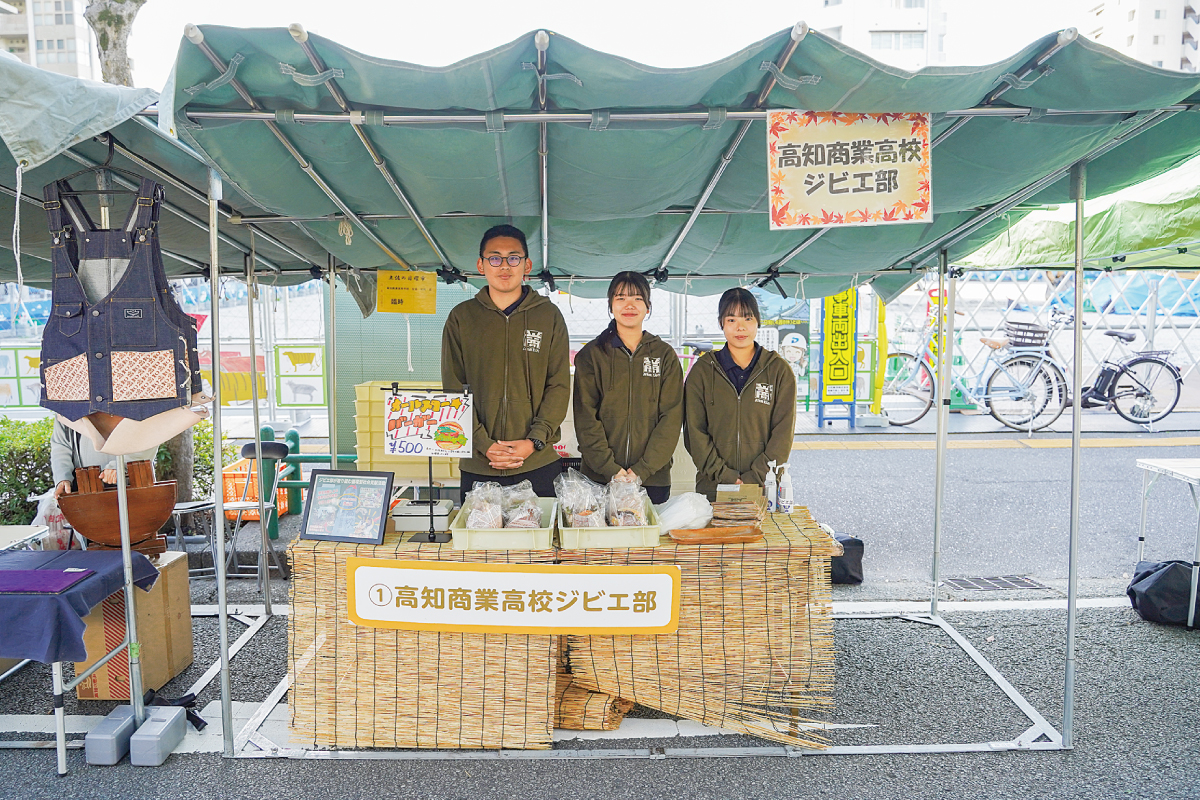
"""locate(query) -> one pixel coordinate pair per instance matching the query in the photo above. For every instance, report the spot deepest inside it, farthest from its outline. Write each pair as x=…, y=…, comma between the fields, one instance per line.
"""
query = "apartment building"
x=51, y=34
x=1162, y=33
x=910, y=34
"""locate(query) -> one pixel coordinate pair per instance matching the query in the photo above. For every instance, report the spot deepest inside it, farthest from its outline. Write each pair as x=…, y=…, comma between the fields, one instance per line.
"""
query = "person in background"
x=509, y=345
x=70, y=450
x=739, y=403
x=628, y=395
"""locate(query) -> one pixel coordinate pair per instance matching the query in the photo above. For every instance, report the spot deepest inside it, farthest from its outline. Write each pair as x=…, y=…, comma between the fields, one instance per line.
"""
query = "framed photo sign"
x=344, y=506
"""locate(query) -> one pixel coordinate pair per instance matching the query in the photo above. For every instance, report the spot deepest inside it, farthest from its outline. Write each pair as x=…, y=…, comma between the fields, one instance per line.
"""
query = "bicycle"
x=1143, y=388
x=1020, y=383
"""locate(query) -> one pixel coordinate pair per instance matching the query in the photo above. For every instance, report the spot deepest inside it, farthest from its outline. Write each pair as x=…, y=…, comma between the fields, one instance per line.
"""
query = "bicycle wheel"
x=1146, y=389
x=908, y=388
x=1059, y=400
x=1019, y=391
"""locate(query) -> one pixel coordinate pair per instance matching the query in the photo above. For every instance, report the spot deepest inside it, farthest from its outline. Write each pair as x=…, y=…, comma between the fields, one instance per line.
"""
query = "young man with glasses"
x=509, y=345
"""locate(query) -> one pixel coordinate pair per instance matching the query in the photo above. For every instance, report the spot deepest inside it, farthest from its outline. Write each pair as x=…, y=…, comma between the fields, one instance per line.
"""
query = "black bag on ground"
x=847, y=568
x=1160, y=591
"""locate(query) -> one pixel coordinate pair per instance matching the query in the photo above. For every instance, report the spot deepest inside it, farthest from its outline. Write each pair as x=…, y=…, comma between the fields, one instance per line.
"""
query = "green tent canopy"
x=282, y=115
x=50, y=123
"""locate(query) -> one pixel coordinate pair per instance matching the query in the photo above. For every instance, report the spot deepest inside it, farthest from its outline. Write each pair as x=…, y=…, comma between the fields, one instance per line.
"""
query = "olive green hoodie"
x=518, y=370
x=731, y=436
x=628, y=407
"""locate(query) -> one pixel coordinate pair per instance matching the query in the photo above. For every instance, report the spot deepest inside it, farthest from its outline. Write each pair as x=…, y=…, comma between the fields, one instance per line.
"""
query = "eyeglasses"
x=513, y=261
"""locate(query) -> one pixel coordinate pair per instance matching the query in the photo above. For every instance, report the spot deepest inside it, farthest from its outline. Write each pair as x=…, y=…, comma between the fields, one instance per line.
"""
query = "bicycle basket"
x=1026, y=334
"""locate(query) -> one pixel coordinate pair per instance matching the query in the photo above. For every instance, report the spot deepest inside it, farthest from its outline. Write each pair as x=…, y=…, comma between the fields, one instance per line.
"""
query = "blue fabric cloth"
x=49, y=627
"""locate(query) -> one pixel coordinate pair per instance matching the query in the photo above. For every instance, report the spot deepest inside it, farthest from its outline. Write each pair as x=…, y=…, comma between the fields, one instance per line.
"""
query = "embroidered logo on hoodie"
x=533, y=341
x=763, y=393
x=652, y=368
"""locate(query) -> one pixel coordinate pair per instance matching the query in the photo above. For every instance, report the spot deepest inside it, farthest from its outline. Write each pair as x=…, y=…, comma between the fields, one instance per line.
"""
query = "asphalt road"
x=1006, y=512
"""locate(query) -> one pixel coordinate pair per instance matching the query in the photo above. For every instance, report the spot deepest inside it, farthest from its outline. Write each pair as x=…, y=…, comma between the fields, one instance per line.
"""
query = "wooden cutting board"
x=716, y=535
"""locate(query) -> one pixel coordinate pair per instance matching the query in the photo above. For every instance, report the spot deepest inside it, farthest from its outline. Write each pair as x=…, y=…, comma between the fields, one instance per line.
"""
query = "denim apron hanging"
x=130, y=352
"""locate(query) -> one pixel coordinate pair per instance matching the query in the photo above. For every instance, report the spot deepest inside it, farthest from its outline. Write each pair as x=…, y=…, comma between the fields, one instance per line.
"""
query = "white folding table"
x=1186, y=470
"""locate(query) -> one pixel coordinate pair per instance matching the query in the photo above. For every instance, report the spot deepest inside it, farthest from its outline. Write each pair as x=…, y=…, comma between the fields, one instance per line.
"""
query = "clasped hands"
x=509, y=455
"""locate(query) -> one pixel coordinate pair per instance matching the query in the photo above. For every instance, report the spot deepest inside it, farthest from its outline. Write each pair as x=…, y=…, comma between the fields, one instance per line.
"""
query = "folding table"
x=1186, y=470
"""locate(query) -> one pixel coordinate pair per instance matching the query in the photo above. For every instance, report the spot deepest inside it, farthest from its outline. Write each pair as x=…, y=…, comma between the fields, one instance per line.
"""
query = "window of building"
x=834, y=33
x=941, y=42
x=1131, y=14
x=1157, y=39
x=897, y=40
x=1129, y=41
x=910, y=3
x=833, y=3
x=1156, y=63
x=1160, y=13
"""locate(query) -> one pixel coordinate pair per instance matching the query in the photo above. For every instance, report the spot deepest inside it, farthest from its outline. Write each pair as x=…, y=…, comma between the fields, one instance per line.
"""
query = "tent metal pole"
x=179, y=212
x=799, y=31
x=264, y=554
x=331, y=362
x=135, y=646
x=1078, y=194
x=214, y=276
x=945, y=349
x=301, y=36
x=585, y=118
x=541, y=41
x=982, y=218
x=197, y=195
x=1065, y=37
x=196, y=37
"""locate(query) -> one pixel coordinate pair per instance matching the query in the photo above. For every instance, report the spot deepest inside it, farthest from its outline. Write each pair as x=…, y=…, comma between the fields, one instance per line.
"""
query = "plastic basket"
x=1026, y=335
x=233, y=481
x=506, y=538
x=632, y=536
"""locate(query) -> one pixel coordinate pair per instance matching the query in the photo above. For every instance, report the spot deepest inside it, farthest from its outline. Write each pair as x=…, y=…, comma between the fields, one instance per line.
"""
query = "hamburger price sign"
x=427, y=424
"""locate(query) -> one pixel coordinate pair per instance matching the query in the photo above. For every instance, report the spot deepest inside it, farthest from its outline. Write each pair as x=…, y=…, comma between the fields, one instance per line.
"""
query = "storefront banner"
x=512, y=598
x=839, y=346
x=836, y=169
x=405, y=292
x=427, y=424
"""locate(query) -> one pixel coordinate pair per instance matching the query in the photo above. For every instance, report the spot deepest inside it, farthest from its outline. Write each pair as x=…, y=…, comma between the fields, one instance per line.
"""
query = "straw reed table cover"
x=354, y=686
x=754, y=650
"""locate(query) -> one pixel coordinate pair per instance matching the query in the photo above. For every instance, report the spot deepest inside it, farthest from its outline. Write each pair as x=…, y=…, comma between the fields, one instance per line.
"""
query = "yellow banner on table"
x=836, y=169
x=512, y=598
x=838, y=346
x=403, y=292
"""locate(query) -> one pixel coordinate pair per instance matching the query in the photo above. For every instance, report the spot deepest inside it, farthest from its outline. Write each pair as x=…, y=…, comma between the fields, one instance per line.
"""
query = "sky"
x=661, y=33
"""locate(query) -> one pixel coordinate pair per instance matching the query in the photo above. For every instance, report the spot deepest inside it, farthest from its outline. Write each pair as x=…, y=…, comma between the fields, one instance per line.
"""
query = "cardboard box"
x=164, y=623
x=731, y=493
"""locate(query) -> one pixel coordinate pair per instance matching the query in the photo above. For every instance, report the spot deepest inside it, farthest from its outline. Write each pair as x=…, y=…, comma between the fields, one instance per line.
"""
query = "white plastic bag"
x=688, y=510
x=48, y=514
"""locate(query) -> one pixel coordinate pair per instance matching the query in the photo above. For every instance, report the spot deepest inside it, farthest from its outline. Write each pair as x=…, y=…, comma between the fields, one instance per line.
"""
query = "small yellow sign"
x=404, y=292
x=838, y=346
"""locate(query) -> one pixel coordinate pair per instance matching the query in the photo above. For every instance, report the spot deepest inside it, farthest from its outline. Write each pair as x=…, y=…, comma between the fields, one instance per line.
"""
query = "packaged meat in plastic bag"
x=482, y=505
x=582, y=500
x=520, y=506
x=626, y=503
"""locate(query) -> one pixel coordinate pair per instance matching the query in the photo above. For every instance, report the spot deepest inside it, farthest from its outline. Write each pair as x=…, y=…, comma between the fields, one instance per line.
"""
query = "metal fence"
x=1162, y=308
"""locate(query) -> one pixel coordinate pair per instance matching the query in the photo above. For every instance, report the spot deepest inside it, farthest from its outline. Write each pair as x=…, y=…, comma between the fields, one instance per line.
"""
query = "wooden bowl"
x=95, y=515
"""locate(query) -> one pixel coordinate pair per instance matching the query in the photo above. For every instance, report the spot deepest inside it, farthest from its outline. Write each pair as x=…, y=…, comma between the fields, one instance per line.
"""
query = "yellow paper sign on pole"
x=403, y=292
x=838, y=347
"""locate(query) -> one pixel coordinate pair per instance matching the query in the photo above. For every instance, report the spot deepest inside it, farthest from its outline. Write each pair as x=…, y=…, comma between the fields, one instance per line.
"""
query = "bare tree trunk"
x=183, y=465
x=112, y=20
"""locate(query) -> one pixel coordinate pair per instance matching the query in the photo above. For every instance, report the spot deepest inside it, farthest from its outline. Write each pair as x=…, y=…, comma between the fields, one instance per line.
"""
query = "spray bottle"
x=785, y=490
x=770, y=489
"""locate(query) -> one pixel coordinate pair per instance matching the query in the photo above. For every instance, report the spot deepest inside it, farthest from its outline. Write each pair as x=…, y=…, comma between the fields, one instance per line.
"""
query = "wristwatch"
x=538, y=444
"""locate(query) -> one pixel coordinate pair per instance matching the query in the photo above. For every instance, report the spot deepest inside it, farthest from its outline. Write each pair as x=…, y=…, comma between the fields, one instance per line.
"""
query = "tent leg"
x=264, y=551
x=1078, y=193
x=214, y=276
x=945, y=339
x=331, y=361
x=135, y=660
